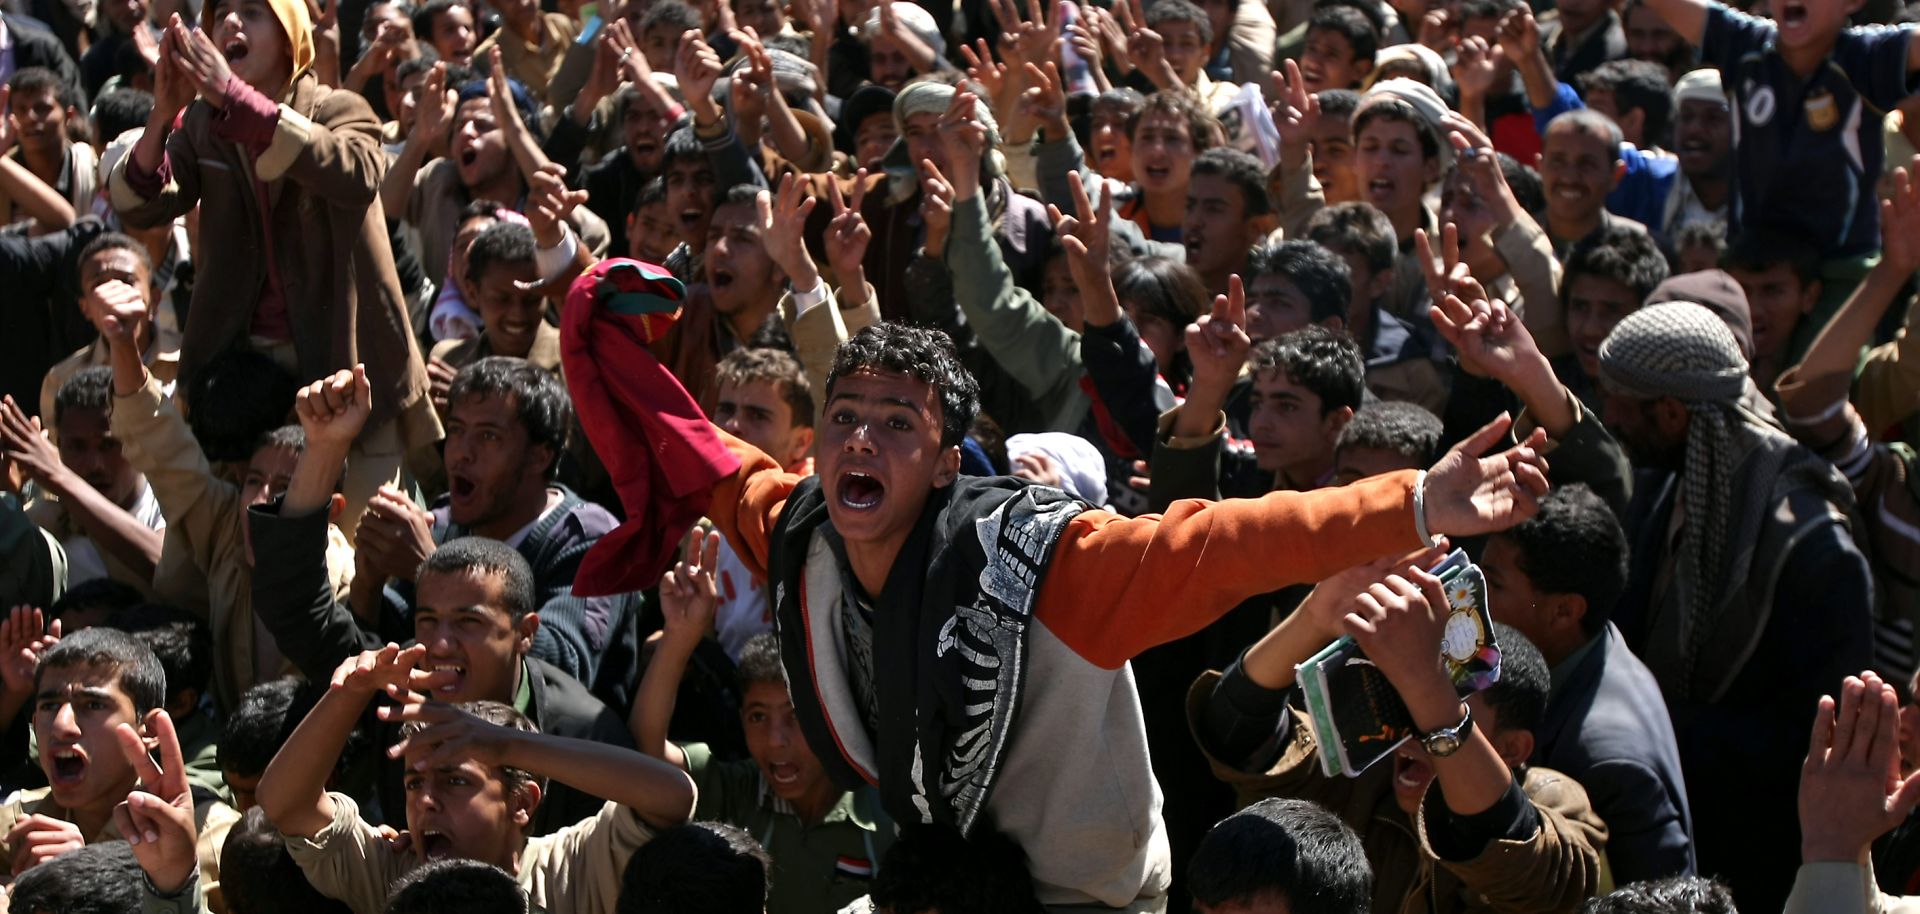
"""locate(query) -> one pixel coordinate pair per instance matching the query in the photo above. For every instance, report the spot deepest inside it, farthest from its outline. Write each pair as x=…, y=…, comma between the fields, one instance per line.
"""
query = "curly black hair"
x=922, y=354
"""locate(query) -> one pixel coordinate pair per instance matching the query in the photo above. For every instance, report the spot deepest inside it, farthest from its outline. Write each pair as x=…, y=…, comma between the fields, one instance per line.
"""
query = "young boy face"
x=1778, y=300
x=454, y=37
x=739, y=272
x=1327, y=61
x=255, y=44
x=93, y=454
x=462, y=240
x=1109, y=149
x=1578, y=170
x=76, y=710
x=690, y=198
x=519, y=13
x=465, y=811
x=924, y=142
x=1286, y=425
x=40, y=121
x=464, y=622
x=767, y=18
x=403, y=95
x=1185, y=52
x=659, y=44
x=1162, y=153
x=479, y=147
x=776, y=743
x=873, y=138
x=491, y=460
x=510, y=314
x=269, y=472
x=1218, y=232
x=1331, y=143
x=756, y=413
x=1164, y=339
x=643, y=127
x=1594, y=305
x=887, y=63
x=1393, y=169
x=651, y=234
x=880, y=455
x=1275, y=305
x=1060, y=295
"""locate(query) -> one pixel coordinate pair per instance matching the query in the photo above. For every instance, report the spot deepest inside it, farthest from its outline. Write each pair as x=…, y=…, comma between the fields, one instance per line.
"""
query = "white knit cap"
x=1701, y=85
x=918, y=21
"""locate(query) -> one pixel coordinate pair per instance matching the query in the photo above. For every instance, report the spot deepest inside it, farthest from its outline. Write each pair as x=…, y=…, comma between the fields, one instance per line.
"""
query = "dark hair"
x=1636, y=85
x=428, y=14
x=681, y=144
x=1760, y=249
x=773, y=366
x=258, y=876
x=1356, y=227
x=1164, y=11
x=739, y=194
x=1242, y=171
x=40, y=79
x=1528, y=190
x=1623, y=253
x=1574, y=545
x=1162, y=287
x=104, y=595
x=1349, y=23
x=88, y=388
x=710, y=867
x=934, y=868
x=673, y=13
x=1283, y=848
x=1318, y=359
x=100, y=878
x=651, y=192
x=457, y=886
x=470, y=554
x=479, y=208
x=1520, y=696
x=540, y=401
x=1318, y=273
x=265, y=718
x=236, y=398
x=1407, y=429
x=119, y=111
x=1337, y=102
x=1123, y=96
x=499, y=715
x=760, y=662
x=508, y=243
x=1592, y=123
x=291, y=437
x=1672, y=895
x=1487, y=9
x=1369, y=10
x=1389, y=108
x=523, y=102
x=1202, y=127
x=135, y=668
x=1710, y=232
x=115, y=241
x=420, y=62
x=182, y=642
x=923, y=354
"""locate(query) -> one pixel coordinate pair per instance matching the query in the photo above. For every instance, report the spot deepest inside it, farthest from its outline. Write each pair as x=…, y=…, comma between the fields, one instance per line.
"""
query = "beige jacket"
x=213, y=819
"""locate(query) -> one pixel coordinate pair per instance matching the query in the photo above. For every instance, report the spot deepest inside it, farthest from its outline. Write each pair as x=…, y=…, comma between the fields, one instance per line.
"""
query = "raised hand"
x=965, y=138
x=783, y=222
x=1467, y=495
x=1851, y=791
x=936, y=207
x=1475, y=67
x=204, y=67
x=1149, y=51
x=1438, y=30
x=433, y=116
x=157, y=817
x=390, y=669
x=439, y=383
x=1519, y=36
x=697, y=67
x=1296, y=112
x=1113, y=36
x=1473, y=151
x=1217, y=342
x=447, y=737
x=334, y=409
x=688, y=595
x=396, y=534
x=38, y=838
x=1045, y=103
x=549, y=202
x=1900, y=221
x=1447, y=274
x=1327, y=606
x=27, y=447
x=628, y=57
x=22, y=642
x=848, y=235
x=172, y=89
x=118, y=311
x=1087, y=237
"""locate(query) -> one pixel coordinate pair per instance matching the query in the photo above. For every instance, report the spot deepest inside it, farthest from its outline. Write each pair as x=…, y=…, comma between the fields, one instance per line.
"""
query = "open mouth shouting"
x=860, y=491
x=235, y=48
x=69, y=766
x=1793, y=14
x=434, y=844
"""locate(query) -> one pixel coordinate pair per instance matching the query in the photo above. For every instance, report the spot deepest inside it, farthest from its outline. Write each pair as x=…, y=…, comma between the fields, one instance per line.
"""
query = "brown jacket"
x=328, y=245
x=1556, y=870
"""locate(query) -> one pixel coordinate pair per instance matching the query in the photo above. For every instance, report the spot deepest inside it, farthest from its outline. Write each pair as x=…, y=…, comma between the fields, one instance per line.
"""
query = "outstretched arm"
x=687, y=598
x=1688, y=17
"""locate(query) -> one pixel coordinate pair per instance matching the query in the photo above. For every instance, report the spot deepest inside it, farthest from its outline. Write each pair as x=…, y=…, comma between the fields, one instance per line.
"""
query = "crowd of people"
x=821, y=456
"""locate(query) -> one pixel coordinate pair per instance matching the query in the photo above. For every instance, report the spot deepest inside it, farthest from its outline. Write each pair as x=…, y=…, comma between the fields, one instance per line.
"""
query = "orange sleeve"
x=1118, y=586
x=746, y=506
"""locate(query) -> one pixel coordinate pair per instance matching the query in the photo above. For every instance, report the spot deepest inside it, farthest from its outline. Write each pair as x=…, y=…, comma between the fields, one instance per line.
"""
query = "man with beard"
x=1747, y=597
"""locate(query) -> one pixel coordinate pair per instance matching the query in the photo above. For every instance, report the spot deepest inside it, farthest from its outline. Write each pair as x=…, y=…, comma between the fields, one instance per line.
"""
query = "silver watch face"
x=1443, y=744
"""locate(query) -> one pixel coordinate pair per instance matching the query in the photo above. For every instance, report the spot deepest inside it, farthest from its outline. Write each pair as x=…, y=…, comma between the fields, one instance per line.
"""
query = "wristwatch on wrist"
x=1448, y=740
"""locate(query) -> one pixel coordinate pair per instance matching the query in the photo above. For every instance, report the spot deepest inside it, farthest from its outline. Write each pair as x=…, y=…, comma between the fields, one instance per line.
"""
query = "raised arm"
x=108, y=525
x=661, y=794
x=687, y=600
x=431, y=119
x=293, y=790
x=1688, y=17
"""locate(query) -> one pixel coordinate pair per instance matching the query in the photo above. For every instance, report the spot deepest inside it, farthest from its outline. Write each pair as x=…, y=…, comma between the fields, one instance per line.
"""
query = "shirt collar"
x=1563, y=670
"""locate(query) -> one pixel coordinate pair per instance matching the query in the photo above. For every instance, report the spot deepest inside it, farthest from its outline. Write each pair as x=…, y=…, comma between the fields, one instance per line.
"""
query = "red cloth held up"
x=659, y=449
